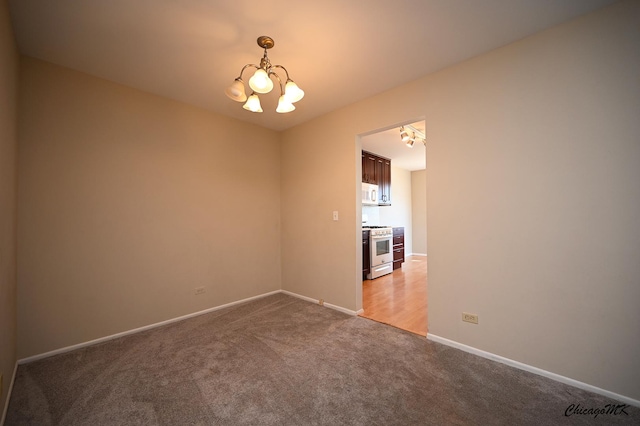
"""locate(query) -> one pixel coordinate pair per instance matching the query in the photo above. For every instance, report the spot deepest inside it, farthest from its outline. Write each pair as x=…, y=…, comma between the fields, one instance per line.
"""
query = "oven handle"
x=381, y=237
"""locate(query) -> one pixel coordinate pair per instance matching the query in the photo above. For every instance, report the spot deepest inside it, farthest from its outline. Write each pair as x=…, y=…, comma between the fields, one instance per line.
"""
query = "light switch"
x=335, y=215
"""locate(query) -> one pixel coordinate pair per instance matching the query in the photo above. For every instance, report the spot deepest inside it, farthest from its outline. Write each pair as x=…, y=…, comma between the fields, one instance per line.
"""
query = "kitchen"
x=394, y=245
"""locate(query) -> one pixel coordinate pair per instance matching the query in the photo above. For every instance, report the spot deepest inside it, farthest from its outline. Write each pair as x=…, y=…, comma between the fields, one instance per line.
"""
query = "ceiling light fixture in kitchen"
x=261, y=83
x=409, y=139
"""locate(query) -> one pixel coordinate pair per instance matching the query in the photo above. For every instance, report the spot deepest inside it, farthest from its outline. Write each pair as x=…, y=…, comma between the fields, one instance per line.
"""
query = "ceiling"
x=338, y=51
x=388, y=144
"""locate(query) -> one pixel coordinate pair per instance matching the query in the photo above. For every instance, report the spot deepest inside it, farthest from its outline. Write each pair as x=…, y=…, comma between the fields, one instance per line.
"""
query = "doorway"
x=400, y=298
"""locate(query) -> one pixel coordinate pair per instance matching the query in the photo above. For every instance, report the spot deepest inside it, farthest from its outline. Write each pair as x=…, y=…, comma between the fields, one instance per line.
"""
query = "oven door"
x=381, y=250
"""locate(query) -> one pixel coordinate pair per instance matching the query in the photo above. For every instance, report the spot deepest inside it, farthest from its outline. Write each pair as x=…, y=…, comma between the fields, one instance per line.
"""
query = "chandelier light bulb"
x=260, y=82
x=253, y=104
x=292, y=92
x=236, y=91
x=284, y=105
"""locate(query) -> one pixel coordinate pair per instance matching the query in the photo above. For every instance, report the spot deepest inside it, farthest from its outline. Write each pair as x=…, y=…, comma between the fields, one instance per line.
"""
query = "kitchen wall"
x=419, y=211
x=532, y=188
x=8, y=199
x=399, y=212
x=128, y=202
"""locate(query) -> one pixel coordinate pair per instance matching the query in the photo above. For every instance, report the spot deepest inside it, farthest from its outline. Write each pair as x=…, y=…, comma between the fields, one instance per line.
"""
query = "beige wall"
x=399, y=212
x=8, y=199
x=317, y=179
x=419, y=211
x=532, y=192
x=128, y=202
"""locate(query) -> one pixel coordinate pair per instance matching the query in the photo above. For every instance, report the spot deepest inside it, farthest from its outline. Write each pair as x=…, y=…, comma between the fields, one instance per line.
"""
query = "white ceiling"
x=338, y=51
x=388, y=144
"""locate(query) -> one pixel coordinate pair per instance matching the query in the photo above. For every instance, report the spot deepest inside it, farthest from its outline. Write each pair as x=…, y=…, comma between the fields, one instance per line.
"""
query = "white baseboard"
x=139, y=329
x=316, y=301
x=341, y=309
x=416, y=254
x=299, y=296
x=534, y=370
x=6, y=402
x=172, y=320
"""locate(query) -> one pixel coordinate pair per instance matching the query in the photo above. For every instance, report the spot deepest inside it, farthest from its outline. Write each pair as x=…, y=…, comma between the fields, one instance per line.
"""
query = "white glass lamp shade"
x=284, y=105
x=260, y=82
x=253, y=104
x=292, y=92
x=236, y=91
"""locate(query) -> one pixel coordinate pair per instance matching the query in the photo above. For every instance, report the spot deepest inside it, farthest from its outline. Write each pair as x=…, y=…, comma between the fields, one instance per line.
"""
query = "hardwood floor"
x=399, y=298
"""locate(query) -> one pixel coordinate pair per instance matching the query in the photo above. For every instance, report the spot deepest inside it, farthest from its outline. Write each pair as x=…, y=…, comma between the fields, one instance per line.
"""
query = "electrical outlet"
x=335, y=215
x=472, y=318
x=199, y=290
x=321, y=302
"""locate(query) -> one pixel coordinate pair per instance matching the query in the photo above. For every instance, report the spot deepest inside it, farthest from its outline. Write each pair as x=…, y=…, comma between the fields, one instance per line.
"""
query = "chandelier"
x=261, y=83
x=410, y=139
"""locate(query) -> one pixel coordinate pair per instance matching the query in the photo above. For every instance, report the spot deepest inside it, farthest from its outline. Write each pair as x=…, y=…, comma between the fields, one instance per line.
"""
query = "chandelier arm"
x=285, y=70
x=279, y=80
x=245, y=67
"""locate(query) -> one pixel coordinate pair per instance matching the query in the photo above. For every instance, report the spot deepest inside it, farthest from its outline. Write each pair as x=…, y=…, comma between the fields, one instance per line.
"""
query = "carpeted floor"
x=283, y=361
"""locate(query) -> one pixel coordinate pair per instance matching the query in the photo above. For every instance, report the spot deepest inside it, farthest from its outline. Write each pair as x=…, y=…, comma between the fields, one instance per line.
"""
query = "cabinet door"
x=369, y=169
x=398, y=257
x=384, y=181
x=398, y=247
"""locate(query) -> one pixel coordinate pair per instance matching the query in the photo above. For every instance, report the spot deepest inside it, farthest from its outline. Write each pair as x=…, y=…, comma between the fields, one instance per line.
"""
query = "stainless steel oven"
x=381, y=245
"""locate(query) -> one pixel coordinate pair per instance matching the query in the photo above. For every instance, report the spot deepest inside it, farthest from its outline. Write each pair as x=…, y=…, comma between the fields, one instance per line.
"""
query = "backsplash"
x=371, y=214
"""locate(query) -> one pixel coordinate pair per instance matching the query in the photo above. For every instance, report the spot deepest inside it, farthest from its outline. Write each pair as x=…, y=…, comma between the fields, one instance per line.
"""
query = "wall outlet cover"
x=472, y=318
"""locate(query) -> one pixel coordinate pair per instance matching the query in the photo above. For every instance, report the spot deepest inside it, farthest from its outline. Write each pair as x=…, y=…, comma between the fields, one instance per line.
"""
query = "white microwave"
x=369, y=194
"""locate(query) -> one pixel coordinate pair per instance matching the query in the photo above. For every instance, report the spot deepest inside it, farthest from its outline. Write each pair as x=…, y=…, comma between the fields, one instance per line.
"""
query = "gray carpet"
x=283, y=361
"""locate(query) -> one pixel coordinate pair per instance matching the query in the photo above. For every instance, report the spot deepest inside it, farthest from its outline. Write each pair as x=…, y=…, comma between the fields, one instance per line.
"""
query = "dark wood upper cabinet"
x=369, y=168
x=377, y=170
x=384, y=182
